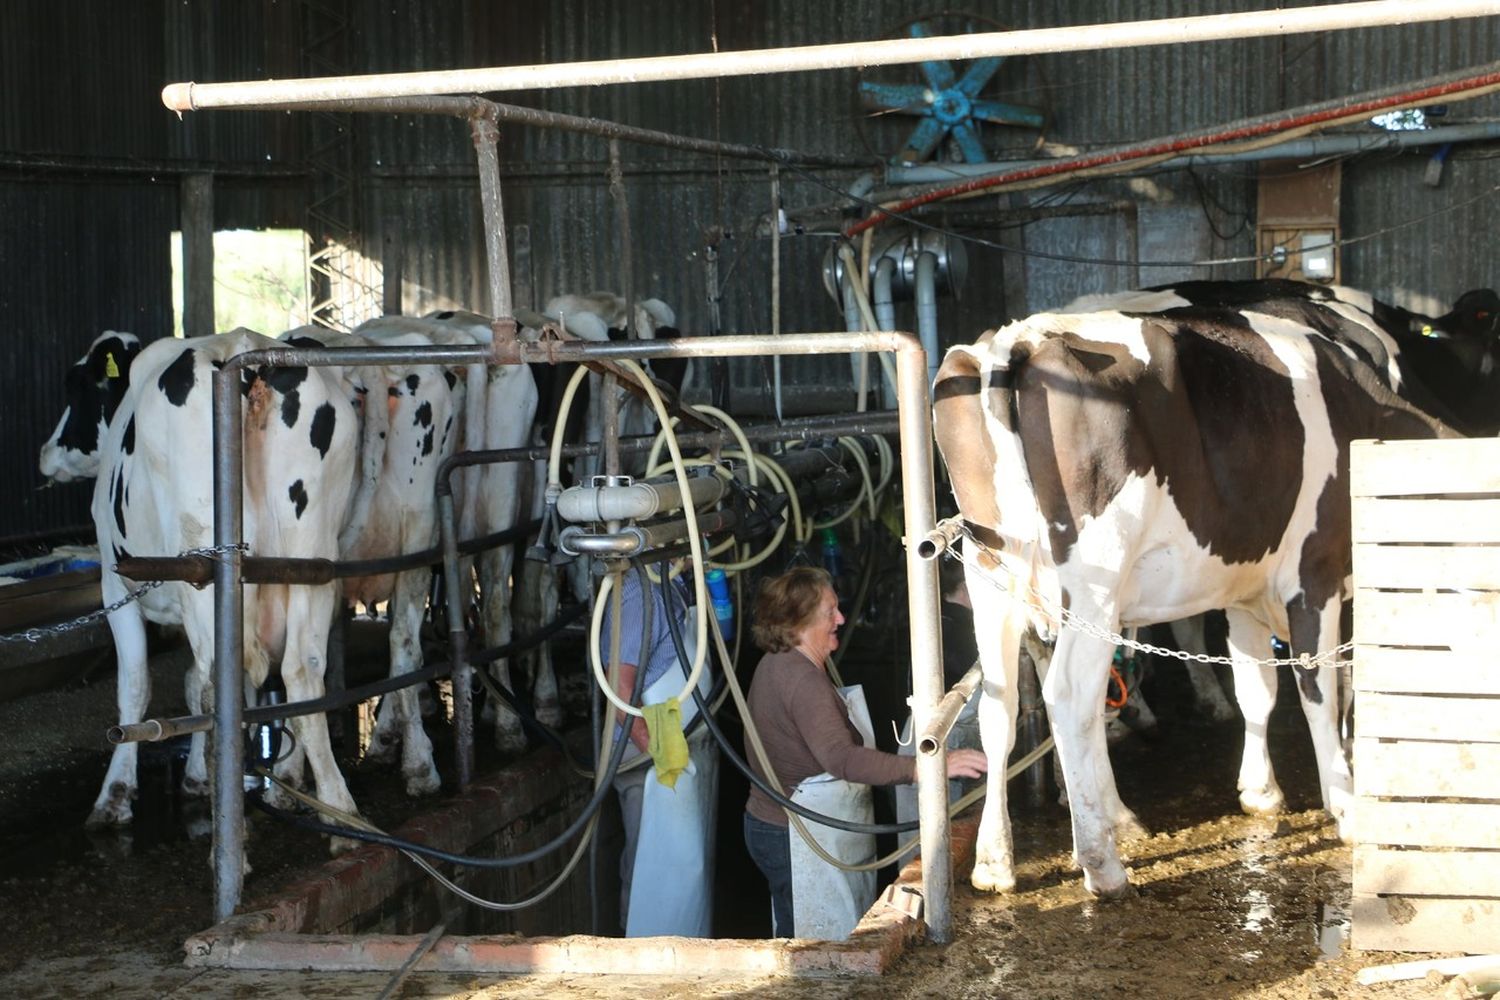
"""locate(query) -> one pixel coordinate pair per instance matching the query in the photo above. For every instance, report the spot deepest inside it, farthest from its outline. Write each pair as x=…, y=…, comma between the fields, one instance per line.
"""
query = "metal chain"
x=1067, y=619
x=40, y=632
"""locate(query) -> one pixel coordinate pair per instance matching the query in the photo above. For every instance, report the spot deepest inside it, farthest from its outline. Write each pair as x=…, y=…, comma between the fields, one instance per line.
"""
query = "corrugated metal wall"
x=86, y=250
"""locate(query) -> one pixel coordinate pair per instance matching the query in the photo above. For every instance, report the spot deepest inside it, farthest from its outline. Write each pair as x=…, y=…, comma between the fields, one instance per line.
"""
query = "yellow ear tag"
x=111, y=370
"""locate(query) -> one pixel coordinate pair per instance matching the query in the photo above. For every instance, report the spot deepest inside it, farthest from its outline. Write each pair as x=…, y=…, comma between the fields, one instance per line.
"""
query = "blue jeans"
x=771, y=850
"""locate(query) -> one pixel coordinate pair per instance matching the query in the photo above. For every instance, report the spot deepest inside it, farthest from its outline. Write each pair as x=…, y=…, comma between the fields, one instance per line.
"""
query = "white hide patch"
x=1128, y=301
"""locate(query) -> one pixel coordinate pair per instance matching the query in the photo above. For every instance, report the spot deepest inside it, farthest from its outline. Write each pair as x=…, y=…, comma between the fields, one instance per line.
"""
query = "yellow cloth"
x=665, y=742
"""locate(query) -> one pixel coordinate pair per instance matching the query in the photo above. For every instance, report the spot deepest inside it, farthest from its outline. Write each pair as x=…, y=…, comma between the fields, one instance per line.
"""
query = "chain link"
x=1067, y=619
x=41, y=632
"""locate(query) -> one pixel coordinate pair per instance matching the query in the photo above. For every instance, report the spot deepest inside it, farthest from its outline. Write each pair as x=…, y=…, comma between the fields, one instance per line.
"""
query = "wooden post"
x=198, y=255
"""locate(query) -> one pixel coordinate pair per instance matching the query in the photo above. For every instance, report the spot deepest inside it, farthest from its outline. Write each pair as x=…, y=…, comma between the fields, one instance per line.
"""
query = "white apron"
x=671, y=888
x=828, y=902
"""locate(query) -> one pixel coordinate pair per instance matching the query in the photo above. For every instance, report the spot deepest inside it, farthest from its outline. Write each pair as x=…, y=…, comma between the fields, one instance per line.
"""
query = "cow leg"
x=1255, y=690
x=1315, y=630
x=1208, y=695
x=308, y=615
x=195, y=775
x=494, y=584
x=406, y=608
x=1074, y=692
x=132, y=695
x=999, y=653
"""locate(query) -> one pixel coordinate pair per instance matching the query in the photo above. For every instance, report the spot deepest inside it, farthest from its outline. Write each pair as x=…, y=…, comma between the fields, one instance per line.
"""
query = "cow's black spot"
x=177, y=379
x=424, y=416
x=298, y=495
x=307, y=342
x=321, y=435
x=284, y=380
x=445, y=314
x=117, y=499
x=248, y=378
x=291, y=405
x=412, y=381
x=393, y=391
x=452, y=378
x=427, y=442
x=128, y=441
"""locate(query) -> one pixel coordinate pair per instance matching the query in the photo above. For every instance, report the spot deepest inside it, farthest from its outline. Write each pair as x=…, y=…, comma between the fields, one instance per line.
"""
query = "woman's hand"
x=967, y=763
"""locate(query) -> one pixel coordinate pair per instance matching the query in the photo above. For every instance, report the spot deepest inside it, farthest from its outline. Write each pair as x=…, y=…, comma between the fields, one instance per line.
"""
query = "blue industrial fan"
x=950, y=102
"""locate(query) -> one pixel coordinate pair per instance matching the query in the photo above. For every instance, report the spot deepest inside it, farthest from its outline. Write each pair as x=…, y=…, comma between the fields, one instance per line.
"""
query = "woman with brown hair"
x=804, y=723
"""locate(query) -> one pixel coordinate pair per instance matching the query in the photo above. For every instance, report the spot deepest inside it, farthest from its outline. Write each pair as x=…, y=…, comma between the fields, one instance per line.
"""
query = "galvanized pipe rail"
x=914, y=425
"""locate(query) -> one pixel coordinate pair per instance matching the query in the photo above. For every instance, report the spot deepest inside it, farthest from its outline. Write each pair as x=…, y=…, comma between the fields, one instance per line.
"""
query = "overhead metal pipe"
x=889, y=52
x=1338, y=144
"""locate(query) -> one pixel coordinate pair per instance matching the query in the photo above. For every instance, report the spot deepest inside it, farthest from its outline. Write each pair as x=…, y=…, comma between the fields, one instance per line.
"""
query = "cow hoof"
x=114, y=810
x=992, y=876
x=1122, y=890
x=424, y=781
x=1265, y=802
x=342, y=845
x=549, y=713
x=382, y=749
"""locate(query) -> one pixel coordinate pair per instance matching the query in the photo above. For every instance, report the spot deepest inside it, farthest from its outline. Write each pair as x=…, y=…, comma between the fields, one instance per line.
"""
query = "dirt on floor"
x=1227, y=905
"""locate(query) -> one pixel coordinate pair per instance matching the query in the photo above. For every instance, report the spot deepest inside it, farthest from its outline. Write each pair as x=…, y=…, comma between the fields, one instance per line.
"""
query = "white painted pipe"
x=635, y=502
x=1070, y=38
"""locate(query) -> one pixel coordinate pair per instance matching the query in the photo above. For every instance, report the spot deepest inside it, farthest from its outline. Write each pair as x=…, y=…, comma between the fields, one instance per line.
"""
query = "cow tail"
x=371, y=384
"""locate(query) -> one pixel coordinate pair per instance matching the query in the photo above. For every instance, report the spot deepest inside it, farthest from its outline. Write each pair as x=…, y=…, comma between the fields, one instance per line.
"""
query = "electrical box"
x=1297, y=222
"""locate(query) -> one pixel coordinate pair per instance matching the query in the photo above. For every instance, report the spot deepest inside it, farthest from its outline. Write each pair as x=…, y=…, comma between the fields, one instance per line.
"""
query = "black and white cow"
x=1146, y=466
x=95, y=385
x=154, y=497
x=429, y=413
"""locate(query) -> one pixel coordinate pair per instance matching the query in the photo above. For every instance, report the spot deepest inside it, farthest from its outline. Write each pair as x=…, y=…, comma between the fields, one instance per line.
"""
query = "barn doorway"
x=260, y=280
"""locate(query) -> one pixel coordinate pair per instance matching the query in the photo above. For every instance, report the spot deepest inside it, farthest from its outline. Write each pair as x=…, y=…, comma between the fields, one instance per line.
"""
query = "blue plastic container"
x=718, y=595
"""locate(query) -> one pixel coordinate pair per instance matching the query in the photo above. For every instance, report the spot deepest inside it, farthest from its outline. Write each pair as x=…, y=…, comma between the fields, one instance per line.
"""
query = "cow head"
x=1473, y=326
x=95, y=385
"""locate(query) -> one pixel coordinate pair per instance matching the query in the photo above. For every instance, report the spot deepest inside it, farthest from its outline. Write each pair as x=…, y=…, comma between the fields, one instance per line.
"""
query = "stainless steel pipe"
x=936, y=733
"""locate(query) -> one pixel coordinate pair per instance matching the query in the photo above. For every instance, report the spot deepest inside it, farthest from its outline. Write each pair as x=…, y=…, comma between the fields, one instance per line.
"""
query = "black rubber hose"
x=535, y=854
x=740, y=763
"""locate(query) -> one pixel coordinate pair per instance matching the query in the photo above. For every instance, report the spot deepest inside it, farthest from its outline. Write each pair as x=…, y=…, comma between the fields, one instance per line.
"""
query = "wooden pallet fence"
x=1426, y=520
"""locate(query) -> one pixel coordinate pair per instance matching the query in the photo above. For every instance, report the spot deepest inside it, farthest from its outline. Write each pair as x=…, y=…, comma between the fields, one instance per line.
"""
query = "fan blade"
x=912, y=98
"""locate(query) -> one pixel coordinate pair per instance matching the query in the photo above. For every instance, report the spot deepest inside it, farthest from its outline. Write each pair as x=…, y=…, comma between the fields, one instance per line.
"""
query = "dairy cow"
x=1125, y=468
x=154, y=496
x=429, y=412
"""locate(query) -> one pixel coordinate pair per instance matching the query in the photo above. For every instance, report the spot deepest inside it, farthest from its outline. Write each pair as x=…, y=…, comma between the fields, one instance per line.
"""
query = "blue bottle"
x=833, y=558
x=718, y=595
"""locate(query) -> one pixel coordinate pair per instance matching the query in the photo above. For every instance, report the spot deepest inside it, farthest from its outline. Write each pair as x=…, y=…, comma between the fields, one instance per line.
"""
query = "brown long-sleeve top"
x=806, y=731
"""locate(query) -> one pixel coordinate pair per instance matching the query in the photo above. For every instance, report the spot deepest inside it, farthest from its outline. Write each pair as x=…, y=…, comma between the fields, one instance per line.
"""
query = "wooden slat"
x=1405, y=566
x=1399, y=923
x=1427, y=717
x=1427, y=824
x=1470, y=874
x=1407, y=769
x=1384, y=668
x=1436, y=520
x=1403, y=468
x=1464, y=622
